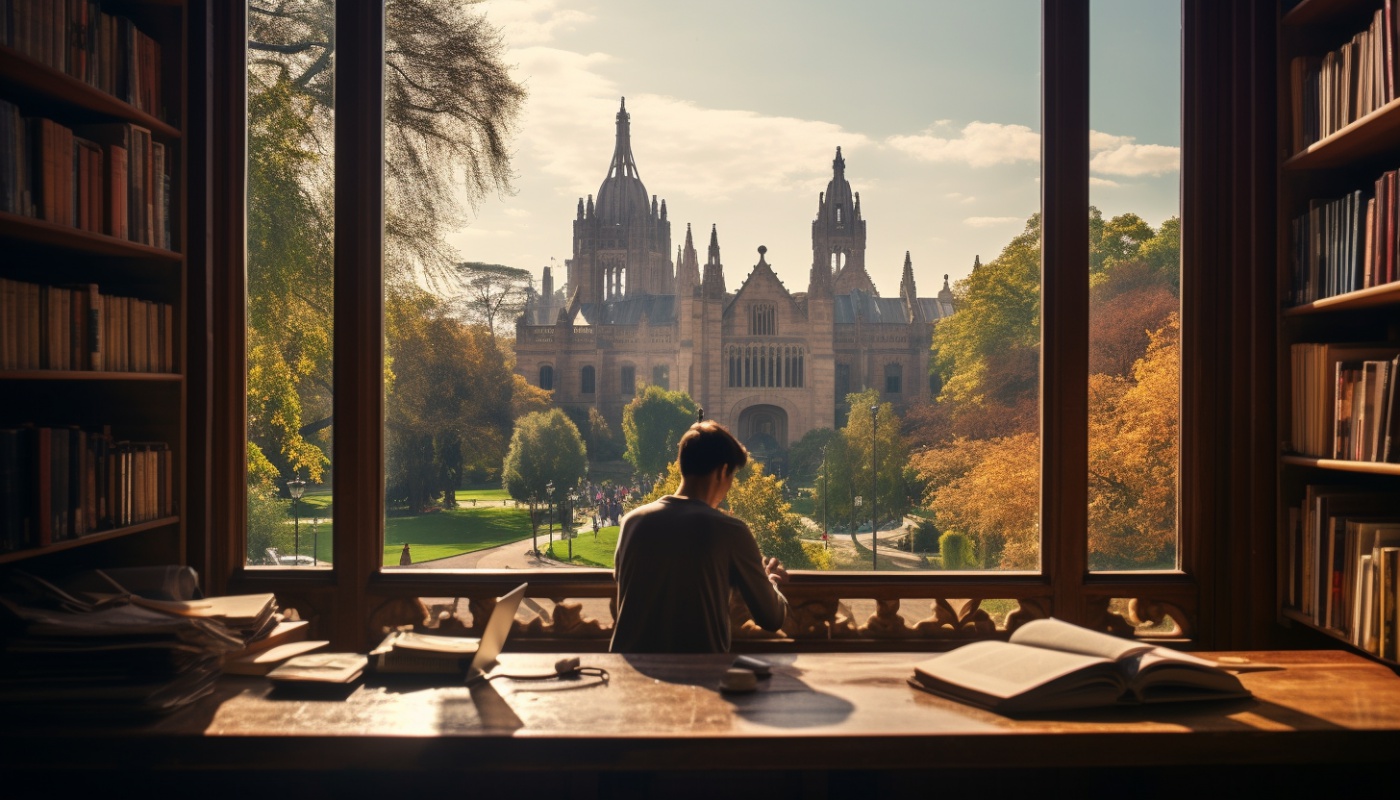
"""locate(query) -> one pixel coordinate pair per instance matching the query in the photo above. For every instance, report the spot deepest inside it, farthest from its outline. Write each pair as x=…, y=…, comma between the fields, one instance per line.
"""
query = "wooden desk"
x=823, y=721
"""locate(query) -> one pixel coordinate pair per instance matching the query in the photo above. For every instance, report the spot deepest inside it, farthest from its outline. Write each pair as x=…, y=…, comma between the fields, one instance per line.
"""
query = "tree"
x=449, y=400
x=805, y=457
x=449, y=108
x=887, y=489
x=492, y=294
x=545, y=447
x=652, y=425
x=757, y=499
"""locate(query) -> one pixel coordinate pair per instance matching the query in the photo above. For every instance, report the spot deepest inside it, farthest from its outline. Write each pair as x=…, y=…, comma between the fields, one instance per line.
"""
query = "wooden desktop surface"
x=657, y=713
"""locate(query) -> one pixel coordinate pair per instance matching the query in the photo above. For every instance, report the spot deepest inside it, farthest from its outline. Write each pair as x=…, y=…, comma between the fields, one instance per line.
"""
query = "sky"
x=737, y=108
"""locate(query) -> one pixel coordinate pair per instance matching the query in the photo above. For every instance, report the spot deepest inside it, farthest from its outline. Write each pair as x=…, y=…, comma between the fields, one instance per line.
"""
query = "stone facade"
x=769, y=363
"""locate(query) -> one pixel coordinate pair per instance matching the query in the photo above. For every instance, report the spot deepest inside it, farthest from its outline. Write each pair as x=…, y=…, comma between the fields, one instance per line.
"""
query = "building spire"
x=906, y=281
x=713, y=282
x=838, y=164
x=623, y=165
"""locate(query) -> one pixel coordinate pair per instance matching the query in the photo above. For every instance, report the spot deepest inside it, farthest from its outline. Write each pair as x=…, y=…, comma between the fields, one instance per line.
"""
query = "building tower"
x=622, y=242
x=838, y=234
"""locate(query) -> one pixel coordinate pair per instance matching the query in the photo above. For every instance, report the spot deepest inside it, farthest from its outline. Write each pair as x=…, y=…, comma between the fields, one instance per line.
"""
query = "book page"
x=1057, y=634
x=1003, y=670
x=434, y=643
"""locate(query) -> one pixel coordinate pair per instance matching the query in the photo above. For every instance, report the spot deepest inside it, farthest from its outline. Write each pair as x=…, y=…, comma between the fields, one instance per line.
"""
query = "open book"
x=1051, y=665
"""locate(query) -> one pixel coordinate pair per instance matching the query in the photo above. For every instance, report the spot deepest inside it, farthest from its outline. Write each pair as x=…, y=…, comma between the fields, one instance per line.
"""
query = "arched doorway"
x=763, y=430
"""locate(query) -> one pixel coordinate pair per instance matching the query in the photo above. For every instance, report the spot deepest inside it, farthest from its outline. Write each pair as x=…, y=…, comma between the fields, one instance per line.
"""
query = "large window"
x=440, y=320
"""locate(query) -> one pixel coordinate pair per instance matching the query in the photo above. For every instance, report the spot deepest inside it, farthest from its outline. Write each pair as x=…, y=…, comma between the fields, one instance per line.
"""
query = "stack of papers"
x=118, y=658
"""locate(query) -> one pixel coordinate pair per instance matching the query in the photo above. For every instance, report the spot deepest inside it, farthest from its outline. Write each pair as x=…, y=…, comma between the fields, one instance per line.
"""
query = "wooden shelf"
x=92, y=375
x=1383, y=295
x=1365, y=467
x=1299, y=617
x=38, y=231
x=82, y=541
x=1311, y=12
x=1373, y=134
x=25, y=73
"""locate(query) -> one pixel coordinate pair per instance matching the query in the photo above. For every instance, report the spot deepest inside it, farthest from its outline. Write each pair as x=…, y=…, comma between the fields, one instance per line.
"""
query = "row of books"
x=1343, y=561
x=1346, y=401
x=1336, y=89
x=79, y=328
x=77, y=38
x=64, y=483
x=109, y=178
x=1349, y=243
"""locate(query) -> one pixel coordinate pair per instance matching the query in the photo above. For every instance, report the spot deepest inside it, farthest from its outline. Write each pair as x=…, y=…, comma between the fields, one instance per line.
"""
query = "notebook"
x=423, y=653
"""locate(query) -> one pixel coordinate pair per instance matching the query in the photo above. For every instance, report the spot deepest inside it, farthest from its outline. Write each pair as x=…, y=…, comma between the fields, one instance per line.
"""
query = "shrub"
x=957, y=552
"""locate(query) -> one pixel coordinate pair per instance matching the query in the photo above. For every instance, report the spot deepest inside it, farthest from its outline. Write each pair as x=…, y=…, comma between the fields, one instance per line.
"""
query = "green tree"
x=805, y=457
x=887, y=489
x=449, y=400
x=757, y=499
x=545, y=447
x=652, y=425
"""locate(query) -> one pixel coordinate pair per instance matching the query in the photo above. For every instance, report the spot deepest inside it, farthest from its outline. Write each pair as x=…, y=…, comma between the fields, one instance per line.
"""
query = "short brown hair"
x=707, y=446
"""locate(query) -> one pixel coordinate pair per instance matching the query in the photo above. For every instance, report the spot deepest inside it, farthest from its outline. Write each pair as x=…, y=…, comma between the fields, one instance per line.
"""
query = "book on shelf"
x=1052, y=665
x=72, y=482
x=1337, y=88
x=77, y=38
x=111, y=178
x=1344, y=400
x=1337, y=581
x=1345, y=244
x=79, y=328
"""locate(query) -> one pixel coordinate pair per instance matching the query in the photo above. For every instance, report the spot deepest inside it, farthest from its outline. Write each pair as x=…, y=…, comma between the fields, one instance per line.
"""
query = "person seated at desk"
x=678, y=558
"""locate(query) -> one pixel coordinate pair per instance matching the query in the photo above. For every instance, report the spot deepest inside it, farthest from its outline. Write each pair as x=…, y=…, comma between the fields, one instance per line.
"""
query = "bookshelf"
x=93, y=233
x=1321, y=573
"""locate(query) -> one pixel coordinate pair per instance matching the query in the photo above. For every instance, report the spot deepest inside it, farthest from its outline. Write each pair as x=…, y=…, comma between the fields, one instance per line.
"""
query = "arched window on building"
x=628, y=387
x=763, y=320
x=546, y=377
x=661, y=376
x=586, y=380
x=894, y=378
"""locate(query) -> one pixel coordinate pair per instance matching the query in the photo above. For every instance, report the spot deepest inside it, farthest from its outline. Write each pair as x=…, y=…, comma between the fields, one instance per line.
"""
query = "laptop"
x=423, y=653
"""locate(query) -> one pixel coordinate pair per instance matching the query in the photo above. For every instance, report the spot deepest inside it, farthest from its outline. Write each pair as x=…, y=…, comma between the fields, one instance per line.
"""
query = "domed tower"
x=838, y=237
x=622, y=241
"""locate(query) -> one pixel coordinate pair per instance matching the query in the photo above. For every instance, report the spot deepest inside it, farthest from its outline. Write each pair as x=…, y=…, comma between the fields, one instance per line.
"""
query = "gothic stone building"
x=768, y=363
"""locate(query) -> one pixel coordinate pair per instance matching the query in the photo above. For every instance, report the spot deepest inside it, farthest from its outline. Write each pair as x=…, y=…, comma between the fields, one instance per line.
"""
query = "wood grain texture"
x=659, y=713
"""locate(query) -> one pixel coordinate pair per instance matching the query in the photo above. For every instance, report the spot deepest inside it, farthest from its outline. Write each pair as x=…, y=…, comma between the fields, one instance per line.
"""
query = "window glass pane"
x=1134, y=283
x=611, y=239
x=289, y=266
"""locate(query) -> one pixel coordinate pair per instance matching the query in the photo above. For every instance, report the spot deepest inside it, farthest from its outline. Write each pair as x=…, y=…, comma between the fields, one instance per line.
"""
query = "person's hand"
x=776, y=572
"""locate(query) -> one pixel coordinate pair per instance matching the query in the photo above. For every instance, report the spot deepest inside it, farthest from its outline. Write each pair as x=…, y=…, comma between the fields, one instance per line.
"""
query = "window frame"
x=1217, y=228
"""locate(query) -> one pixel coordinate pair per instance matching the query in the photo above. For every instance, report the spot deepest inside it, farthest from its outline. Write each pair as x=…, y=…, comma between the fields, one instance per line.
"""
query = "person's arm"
x=758, y=588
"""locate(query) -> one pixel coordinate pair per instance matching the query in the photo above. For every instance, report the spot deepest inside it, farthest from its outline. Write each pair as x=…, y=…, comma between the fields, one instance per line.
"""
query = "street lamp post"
x=855, y=532
x=826, y=490
x=573, y=501
x=534, y=527
x=874, y=490
x=549, y=490
x=295, y=487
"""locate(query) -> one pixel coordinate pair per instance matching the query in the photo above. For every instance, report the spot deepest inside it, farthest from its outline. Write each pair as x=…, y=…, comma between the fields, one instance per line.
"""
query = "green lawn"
x=587, y=552
x=452, y=533
x=432, y=536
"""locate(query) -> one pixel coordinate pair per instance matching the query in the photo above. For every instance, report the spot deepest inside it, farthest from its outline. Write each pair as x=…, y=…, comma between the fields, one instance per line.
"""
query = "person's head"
x=706, y=447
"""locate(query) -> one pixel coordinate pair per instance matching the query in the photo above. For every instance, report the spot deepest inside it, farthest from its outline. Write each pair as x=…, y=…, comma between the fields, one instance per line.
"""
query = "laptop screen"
x=493, y=638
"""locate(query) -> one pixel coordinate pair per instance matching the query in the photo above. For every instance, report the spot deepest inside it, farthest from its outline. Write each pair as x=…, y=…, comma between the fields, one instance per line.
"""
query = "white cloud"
x=979, y=144
x=569, y=128
x=959, y=197
x=987, y=222
x=985, y=144
x=515, y=211
x=531, y=22
x=1105, y=182
x=1136, y=159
